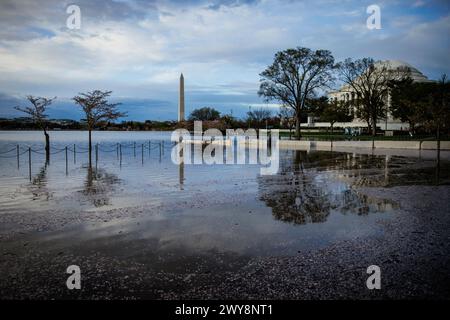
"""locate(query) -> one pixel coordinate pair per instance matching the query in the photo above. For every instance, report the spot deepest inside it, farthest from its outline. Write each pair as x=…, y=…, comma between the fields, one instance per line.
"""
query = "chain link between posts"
x=148, y=145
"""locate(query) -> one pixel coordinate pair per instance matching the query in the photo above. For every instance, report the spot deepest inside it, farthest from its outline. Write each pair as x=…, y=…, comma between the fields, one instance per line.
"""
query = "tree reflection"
x=354, y=202
x=38, y=186
x=300, y=196
x=98, y=186
x=292, y=194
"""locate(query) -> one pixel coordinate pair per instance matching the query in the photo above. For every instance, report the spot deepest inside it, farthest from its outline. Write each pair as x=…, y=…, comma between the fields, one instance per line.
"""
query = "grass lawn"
x=341, y=136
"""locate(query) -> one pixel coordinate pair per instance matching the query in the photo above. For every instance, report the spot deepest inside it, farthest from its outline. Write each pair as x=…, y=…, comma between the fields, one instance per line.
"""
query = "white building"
x=345, y=93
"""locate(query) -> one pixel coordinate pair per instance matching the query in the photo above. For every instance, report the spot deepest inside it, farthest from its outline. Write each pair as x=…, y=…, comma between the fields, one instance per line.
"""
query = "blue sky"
x=138, y=48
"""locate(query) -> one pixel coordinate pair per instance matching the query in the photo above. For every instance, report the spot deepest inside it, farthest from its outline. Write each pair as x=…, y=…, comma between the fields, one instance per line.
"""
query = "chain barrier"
x=4, y=152
x=14, y=156
x=154, y=145
x=145, y=146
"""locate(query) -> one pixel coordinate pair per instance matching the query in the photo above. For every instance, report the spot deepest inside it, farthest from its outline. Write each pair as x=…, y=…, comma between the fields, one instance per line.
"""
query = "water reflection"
x=428, y=173
x=314, y=200
x=309, y=187
x=98, y=186
x=303, y=193
x=181, y=171
x=368, y=170
x=38, y=186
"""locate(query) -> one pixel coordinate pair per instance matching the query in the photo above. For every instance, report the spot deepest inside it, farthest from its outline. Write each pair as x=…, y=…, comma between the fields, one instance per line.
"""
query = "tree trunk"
x=438, y=142
x=369, y=125
x=438, y=152
x=47, y=146
x=331, y=132
x=90, y=147
x=297, y=127
x=374, y=126
x=374, y=131
x=412, y=128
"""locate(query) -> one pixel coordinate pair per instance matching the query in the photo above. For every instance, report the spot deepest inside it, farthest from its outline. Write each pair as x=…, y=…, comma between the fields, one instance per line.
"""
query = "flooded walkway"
x=147, y=228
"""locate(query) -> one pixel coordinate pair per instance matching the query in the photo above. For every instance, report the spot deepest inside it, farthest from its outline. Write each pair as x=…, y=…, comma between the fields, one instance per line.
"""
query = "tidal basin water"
x=146, y=207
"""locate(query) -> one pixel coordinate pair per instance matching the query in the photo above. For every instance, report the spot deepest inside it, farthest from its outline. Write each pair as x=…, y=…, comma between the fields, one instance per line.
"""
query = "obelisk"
x=181, y=100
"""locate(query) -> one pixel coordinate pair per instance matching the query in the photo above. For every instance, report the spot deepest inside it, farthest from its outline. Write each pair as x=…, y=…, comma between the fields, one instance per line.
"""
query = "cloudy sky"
x=138, y=48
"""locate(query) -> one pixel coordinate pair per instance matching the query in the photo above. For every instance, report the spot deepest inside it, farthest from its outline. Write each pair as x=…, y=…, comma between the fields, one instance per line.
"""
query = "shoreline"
x=322, y=145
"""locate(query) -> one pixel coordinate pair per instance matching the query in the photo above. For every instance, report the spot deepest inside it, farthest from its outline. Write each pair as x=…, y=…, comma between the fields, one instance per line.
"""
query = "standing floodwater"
x=135, y=208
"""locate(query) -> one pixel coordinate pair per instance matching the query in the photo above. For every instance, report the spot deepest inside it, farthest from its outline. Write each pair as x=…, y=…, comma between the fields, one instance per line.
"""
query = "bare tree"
x=369, y=82
x=287, y=116
x=97, y=109
x=256, y=117
x=37, y=114
x=295, y=76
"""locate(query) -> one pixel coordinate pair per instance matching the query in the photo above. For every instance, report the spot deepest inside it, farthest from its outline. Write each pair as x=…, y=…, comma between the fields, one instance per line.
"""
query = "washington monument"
x=181, y=100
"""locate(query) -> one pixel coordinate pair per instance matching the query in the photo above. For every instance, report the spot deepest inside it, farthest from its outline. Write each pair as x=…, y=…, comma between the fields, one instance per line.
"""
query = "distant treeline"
x=68, y=124
x=148, y=125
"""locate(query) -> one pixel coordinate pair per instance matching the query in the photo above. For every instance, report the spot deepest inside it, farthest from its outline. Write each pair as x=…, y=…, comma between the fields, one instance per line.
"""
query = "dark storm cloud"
x=19, y=20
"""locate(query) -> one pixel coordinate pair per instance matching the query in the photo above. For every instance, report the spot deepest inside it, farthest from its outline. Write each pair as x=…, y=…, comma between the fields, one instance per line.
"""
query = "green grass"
x=340, y=136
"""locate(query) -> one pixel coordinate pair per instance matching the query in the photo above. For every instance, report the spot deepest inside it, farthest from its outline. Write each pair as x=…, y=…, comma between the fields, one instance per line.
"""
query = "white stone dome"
x=416, y=75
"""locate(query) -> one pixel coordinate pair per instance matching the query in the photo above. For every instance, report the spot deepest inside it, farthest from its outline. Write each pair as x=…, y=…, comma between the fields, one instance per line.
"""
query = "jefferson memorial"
x=345, y=93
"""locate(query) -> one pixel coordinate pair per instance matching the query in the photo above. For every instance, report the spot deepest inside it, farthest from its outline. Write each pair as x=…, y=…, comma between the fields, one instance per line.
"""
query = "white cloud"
x=138, y=49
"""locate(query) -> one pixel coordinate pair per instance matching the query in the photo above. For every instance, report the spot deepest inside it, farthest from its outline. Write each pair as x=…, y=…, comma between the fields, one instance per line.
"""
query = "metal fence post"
x=29, y=161
x=120, y=153
x=67, y=163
